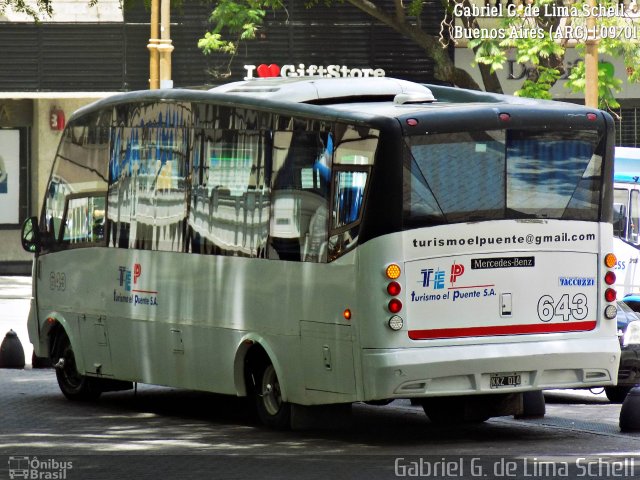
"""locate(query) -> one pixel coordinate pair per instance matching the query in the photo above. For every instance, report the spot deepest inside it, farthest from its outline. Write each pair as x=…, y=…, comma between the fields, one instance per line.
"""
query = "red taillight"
x=394, y=289
x=393, y=272
x=610, y=295
x=610, y=278
x=395, y=305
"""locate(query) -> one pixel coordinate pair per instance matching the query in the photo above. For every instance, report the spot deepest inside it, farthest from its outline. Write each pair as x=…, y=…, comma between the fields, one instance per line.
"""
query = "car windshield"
x=632, y=302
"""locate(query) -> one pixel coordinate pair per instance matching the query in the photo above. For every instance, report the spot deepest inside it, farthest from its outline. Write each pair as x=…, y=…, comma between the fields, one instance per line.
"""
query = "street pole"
x=154, y=66
x=591, y=60
x=165, y=48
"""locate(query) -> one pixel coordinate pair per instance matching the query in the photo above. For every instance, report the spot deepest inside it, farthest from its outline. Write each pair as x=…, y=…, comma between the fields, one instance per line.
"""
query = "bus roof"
x=627, y=165
x=350, y=99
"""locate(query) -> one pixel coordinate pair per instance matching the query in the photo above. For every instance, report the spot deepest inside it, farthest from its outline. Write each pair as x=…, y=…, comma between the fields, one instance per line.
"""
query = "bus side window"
x=84, y=221
x=54, y=209
x=353, y=158
x=75, y=204
x=619, y=220
x=119, y=198
x=634, y=217
x=348, y=197
x=300, y=195
x=230, y=202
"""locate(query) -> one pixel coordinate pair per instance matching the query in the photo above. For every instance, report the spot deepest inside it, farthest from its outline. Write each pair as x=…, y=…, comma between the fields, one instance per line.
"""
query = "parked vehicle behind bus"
x=316, y=242
x=628, y=321
x=626, y=219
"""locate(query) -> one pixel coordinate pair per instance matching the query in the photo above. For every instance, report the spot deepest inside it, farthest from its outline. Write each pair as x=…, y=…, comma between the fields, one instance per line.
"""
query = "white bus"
x=626, y=219
x=317, y=242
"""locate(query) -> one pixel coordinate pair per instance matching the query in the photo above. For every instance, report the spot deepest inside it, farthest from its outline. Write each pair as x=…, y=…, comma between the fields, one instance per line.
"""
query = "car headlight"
x=632, y=334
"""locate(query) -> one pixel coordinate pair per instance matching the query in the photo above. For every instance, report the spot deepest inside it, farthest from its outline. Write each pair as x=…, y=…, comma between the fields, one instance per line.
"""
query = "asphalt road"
x=163, y=433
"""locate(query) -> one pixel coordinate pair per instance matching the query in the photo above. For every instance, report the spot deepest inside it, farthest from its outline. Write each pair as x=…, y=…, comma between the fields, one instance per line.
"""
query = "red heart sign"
x=265, y=71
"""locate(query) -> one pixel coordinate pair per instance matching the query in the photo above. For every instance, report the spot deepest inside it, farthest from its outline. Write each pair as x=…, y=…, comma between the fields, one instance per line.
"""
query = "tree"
x=36, y=9
x=41, y=7
x=543, y=53
x=241, y=19
x=549, y=31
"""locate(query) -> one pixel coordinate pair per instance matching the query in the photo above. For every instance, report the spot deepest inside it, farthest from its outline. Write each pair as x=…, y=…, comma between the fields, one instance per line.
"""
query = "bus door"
x=626, y=216
x=84, y=226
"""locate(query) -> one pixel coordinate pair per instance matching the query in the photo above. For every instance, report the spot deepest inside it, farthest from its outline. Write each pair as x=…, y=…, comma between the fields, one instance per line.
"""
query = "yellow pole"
x=591, y=61
x=154, y=66
x=165, y=48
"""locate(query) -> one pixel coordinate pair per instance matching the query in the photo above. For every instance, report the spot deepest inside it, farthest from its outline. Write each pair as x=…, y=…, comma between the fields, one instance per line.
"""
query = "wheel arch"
x=252, y=349
x=54, y=326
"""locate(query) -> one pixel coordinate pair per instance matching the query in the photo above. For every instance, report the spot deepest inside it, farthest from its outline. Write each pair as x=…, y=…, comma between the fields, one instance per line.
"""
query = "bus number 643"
x=576, y=307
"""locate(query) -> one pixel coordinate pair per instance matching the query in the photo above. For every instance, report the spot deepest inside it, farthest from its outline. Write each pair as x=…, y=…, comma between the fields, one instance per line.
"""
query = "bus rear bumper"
x=489, y=368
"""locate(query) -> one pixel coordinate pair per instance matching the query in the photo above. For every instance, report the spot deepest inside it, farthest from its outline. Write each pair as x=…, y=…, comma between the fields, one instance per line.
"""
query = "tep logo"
x=456, y=271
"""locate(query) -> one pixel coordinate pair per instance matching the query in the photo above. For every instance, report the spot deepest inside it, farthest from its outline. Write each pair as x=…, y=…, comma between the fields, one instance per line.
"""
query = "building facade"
x=51, y=68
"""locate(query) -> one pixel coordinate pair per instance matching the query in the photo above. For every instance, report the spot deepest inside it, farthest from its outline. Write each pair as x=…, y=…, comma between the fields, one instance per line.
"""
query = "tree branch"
x=444, y=70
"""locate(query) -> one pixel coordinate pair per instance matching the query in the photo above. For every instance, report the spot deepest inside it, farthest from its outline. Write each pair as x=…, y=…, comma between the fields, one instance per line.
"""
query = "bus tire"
x=73, y=385
x=616, y=394
x=271, y=410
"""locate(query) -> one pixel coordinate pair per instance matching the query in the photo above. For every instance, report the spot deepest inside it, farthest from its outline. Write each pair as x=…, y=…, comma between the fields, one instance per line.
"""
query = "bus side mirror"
x=619, y=220
x=619, y=212
x=30, y=235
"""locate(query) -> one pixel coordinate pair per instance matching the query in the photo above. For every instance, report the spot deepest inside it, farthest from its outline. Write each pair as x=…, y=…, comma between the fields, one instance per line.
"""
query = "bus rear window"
x=492, y=175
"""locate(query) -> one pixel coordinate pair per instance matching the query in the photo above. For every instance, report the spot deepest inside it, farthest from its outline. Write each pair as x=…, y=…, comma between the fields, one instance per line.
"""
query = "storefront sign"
x=302, y=70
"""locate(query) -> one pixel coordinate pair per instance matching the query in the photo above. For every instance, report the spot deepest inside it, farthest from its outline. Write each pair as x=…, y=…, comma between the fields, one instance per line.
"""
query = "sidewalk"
x=15, y=295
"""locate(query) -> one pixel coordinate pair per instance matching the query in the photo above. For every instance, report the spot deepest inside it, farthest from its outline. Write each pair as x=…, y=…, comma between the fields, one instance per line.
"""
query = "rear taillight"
x=610, y=278
x=393, y=273
x=610, y=294
x=394, y=289
x=395, y=305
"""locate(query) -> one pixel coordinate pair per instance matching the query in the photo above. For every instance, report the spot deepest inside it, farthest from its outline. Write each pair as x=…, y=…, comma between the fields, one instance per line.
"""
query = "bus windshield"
x=491, y=175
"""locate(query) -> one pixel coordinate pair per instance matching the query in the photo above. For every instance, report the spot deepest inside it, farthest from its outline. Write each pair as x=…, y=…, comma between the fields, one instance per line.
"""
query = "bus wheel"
x=73, y=385
x=617, y=394
x=272, y=411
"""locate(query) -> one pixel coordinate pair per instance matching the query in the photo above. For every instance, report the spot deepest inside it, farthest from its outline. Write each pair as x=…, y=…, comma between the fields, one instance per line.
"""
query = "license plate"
x=505, y=380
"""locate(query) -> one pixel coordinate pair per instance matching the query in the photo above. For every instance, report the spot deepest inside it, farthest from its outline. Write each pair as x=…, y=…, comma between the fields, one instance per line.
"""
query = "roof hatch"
x=330, y=90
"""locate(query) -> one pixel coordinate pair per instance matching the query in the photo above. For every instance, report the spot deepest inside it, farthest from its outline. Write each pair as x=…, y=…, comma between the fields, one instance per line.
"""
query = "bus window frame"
x=337, y=168
x=66, y=245
x=623, y=218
